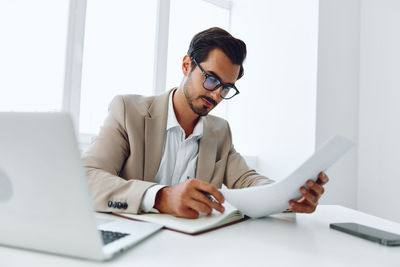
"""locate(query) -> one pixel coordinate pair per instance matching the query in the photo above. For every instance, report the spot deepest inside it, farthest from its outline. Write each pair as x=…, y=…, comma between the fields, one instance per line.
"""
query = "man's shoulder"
x=138, y=102
x=133, y=104
x=219, y=129
x=217, y=123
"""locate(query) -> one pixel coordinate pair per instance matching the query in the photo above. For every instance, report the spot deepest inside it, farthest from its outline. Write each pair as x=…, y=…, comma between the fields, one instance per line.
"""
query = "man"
x=166, y=153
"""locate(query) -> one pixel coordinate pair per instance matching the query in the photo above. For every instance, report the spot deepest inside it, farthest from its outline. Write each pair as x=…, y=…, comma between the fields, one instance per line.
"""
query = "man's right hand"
x=188, y=199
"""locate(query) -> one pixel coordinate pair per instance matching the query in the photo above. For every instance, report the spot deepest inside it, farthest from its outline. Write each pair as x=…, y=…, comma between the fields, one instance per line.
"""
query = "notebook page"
x=191, y=225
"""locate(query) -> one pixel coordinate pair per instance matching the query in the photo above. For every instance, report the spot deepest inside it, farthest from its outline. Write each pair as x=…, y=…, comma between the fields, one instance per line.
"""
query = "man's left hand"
x=309, y=200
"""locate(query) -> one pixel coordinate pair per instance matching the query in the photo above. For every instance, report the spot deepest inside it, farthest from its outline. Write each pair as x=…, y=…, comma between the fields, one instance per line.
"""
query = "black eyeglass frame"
x=224, y=85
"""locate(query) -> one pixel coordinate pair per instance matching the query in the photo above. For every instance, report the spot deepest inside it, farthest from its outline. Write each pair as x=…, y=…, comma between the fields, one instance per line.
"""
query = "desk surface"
x=281, y=240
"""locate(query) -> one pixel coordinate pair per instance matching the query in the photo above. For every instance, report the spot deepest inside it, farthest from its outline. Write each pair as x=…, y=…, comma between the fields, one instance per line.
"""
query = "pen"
x=205, y=193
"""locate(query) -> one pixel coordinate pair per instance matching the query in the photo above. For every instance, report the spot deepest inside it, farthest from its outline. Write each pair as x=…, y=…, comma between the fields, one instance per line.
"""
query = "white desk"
x=304, y=240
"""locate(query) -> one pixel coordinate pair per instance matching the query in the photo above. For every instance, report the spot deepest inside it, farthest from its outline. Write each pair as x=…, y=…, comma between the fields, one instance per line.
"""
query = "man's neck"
x=184, y=114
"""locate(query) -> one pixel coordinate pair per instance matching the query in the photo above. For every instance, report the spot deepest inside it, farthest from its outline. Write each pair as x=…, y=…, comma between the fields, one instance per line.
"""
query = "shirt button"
x=125, y=206
x=109, y=204
x=119, y=205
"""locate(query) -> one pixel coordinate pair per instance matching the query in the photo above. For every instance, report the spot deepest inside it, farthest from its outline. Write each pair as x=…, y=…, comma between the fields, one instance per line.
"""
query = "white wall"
x=379, y=138
x=274, y=115
x=337, y=97
x=315, y=69
x=358, y=95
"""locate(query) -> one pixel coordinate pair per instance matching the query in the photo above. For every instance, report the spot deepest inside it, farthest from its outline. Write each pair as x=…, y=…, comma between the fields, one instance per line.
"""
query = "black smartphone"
x=369, y=233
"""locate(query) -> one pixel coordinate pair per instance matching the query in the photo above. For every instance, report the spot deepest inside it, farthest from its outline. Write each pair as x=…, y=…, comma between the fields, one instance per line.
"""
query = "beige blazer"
x=124, y=158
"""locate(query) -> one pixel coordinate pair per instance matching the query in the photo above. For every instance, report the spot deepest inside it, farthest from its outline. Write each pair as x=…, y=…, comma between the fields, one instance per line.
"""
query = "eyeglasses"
x=212, y=83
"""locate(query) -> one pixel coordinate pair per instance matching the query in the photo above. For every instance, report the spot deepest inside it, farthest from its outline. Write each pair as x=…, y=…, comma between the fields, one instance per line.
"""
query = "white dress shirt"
x=179, y=156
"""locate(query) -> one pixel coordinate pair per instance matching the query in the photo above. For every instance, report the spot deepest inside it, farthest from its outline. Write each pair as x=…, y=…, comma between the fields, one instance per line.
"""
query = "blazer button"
x=110, y=204
x=125, y=206
x=119, y=205
x=114, y=205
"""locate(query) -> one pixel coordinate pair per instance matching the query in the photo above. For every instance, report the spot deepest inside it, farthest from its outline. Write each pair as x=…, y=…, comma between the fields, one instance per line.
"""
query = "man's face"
x=200, y=100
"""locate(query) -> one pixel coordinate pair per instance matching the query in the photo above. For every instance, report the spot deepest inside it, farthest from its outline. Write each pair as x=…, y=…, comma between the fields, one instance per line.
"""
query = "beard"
x=202, y=110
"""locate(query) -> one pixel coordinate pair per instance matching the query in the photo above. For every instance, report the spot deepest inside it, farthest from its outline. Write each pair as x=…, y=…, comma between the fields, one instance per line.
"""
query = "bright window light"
x=118, y=55
x=32, y=54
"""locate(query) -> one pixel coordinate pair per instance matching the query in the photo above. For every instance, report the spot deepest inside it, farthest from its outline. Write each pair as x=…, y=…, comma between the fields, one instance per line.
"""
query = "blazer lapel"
x=207, y=153
x=155, y=129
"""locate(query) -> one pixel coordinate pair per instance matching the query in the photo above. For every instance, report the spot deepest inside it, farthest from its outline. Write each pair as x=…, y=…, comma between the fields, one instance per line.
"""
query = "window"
x=118, y=56
x=32, y=52
x=76, y=55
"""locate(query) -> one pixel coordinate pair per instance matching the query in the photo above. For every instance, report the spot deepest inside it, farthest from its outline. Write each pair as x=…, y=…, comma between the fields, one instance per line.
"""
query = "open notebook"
x=191, y=226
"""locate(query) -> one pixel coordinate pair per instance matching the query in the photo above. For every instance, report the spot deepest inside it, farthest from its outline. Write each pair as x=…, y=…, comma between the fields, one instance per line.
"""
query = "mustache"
x=209, y=99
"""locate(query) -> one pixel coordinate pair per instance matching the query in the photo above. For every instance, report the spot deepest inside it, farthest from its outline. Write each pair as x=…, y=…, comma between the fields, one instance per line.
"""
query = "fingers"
x=199, y=206
x=316, y=188
x=303, y=207
x=199, y=196
x=322, y=178
x=191, y=209
x=311, y=198
x=188, y=199
x=207, y=188
x=313, y=194
x=188, y=213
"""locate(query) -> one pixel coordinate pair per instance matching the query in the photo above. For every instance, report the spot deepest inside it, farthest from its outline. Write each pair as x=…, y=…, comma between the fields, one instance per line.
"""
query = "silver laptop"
x=45, y=202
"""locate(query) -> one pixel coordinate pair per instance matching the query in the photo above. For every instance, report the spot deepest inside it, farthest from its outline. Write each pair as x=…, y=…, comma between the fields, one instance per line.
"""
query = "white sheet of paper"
x=274, y=198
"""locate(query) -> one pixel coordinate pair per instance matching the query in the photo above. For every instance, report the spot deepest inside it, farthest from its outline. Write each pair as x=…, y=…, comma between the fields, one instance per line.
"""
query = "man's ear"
x=186, y=65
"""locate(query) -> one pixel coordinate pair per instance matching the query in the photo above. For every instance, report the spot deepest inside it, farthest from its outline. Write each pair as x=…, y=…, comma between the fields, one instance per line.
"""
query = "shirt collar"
x=173, y=122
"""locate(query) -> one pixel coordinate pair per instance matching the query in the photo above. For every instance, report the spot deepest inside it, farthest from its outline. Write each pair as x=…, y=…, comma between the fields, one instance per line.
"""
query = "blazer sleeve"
x=104, y=160
x=238, y=174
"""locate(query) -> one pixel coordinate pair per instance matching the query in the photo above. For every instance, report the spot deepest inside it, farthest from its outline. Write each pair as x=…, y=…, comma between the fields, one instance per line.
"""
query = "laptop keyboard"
x=109, y=236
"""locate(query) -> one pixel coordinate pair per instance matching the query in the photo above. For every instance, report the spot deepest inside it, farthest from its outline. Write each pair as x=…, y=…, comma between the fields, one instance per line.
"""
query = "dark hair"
x=207, y=40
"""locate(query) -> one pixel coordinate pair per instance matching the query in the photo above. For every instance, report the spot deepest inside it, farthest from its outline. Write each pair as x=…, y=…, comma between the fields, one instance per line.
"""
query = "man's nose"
x=216, y=95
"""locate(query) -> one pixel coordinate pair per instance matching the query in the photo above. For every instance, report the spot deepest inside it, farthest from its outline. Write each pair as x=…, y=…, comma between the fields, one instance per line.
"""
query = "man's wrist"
x=158, y=202
x=149, y=197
